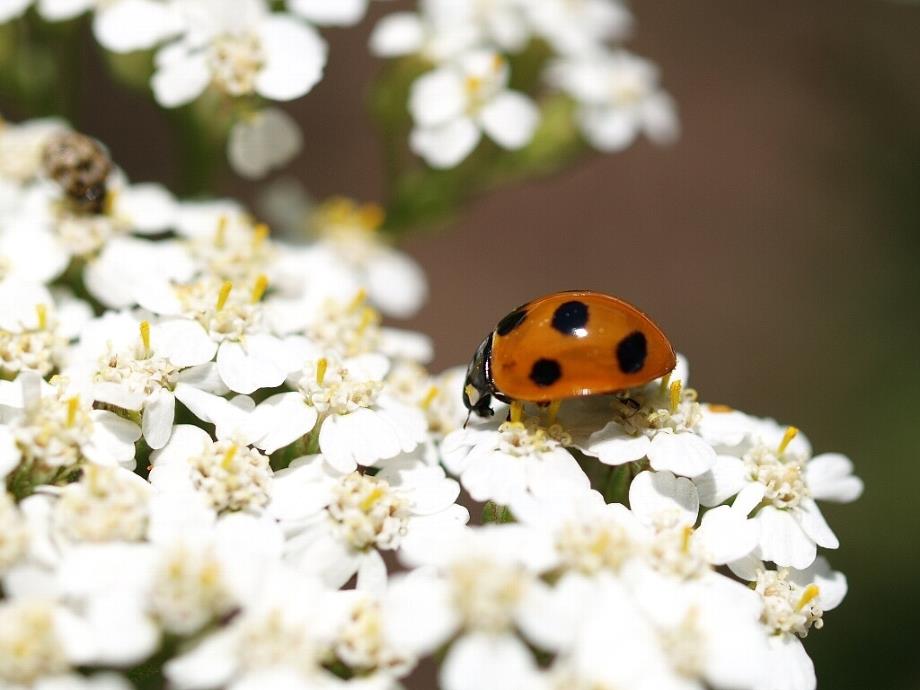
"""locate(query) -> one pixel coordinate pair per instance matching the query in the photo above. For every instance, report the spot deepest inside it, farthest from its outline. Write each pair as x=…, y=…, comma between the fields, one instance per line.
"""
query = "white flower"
x=348, y=235
x=222, y=475
x=618, y=98
x=121, y=26
x=484, y=588
x=360, y=423
x=506, y=462
x=106, y=504
x=777, y=482
x=407, y=504
x=670, y=506
x=130, y=271
x=35, y=327
x=136, y=365
x=793, y=602
x=249, y=356
x=454, y=104
x=240, y=48
x=39, y=640
x=262, y=142
x=589, y=536
x=446, y=28
x=360, y=642
x=709, y=632
x=277, y=640
x=577, y=28
x=323, y=12
x=53, y=430
x=658, y=421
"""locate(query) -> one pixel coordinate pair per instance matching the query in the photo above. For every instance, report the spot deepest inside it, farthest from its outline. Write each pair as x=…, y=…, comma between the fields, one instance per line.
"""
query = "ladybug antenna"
x=468, y=414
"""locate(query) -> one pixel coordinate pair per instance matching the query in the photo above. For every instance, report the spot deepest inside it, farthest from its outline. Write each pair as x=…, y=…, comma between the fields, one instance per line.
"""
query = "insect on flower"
x=564, y=345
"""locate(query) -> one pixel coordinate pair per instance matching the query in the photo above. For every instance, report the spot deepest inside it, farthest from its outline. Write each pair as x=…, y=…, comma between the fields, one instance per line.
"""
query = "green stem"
x=493, y=513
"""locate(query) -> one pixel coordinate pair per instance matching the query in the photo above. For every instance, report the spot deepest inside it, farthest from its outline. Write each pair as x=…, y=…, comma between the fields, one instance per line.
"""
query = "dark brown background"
x=776, y=243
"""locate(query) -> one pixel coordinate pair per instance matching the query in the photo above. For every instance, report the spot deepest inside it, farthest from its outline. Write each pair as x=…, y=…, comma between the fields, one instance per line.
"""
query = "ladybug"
x=564, y=345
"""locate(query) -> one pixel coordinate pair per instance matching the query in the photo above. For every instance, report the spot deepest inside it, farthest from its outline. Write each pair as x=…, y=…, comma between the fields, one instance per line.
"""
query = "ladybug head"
x=478, y=387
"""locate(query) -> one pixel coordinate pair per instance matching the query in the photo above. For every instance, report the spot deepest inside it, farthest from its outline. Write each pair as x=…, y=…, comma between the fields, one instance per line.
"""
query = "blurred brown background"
x=777, y=243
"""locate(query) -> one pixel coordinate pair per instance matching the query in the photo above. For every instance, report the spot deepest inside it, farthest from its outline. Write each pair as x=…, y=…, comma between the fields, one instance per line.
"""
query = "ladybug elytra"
x=564, y=345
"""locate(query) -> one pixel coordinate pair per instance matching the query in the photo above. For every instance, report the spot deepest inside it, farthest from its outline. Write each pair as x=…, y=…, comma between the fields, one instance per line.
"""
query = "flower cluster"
x=471, y=90
x=246, y=53
x=222, y=470
x=233, y=59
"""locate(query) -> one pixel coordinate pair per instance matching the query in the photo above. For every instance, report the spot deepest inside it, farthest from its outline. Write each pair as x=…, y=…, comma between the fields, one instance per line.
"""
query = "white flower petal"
x=722, y=481
x=181, y=79
x=263, y=142
x=654, y=494
x=323, y=12
x=437, y=99
x=113, y=439
x=782, y=539
x=295, y=56
x=682, y=453
x=612, y=445
x=280, y=420
x=159, y=413
x=130, y=25
x=183, y=342
x=727, y=535
x=510, y=119
x=479, y=660
x=372, y=573
x=830, y=478
x=788, y=665
x=399, y=33
x=446, y=145
x=815, y=526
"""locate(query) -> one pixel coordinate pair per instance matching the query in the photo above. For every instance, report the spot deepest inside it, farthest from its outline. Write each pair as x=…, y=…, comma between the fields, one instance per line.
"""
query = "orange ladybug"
x=564, y=345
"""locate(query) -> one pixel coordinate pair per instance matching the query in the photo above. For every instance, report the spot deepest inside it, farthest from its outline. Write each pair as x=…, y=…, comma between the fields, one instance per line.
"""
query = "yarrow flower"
x=222, y=464
x=453, y=105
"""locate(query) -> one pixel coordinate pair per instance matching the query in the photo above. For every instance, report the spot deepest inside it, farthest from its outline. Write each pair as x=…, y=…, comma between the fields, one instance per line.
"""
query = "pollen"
x=260, y=233
x=220, y=235
x=145, y=336
x=810, y=593
x=517, y=411
x=41, y=311
x=791, y=433
x=675, y=390
x=371, y=216
x=258, y=290
x=429, y=397
x=473, y=85
x=227, y=462
x=224, y=294
x=73, y=405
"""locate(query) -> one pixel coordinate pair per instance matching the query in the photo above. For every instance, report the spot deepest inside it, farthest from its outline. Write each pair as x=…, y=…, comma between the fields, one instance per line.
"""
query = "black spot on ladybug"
x=512, y=321
x=545, y=372
x=631, y=352
x=571, y=318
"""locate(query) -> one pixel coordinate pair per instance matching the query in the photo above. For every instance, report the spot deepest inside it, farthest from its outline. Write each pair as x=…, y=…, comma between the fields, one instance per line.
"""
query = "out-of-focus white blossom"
x=265, y=140
x=240, y=48
x=455, y=104
x=618, y=99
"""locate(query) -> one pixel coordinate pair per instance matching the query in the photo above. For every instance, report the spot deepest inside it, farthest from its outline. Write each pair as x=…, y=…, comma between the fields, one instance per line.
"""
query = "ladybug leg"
x=516, y=413
x=552, y=412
